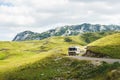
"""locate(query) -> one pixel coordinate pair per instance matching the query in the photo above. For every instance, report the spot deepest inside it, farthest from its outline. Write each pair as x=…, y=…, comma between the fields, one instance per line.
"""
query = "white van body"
x=74, y=50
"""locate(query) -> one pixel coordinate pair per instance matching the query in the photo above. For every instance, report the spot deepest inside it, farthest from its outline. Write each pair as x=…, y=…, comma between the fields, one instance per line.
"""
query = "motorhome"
x=74, y=50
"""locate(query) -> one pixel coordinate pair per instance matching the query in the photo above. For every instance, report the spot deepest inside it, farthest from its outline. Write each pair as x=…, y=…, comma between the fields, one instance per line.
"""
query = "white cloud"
x=41, y=15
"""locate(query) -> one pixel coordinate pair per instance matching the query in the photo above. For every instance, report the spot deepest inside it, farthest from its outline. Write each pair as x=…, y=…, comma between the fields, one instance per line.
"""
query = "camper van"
x=73, y=50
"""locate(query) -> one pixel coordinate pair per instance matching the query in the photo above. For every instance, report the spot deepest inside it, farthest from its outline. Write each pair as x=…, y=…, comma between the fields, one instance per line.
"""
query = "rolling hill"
x=19, y=53
x=93, y=36
x=45, y=60
x=108, y=46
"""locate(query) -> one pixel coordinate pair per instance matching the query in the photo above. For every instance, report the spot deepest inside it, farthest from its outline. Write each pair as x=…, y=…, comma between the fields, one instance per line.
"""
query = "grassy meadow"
x=46, y=60
x=16, y=54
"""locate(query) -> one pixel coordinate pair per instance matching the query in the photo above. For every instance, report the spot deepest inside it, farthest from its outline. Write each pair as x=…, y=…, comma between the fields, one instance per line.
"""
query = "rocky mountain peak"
x=65, y=31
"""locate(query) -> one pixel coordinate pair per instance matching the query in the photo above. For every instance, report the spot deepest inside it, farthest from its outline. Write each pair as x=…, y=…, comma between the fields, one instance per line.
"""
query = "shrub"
x=67, y=39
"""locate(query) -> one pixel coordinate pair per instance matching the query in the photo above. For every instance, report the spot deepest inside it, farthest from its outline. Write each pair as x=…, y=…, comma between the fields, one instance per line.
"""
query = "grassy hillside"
x=15, y=54
x=92, y=36
x=109, y=45
x=57, y=67
x=45, y=60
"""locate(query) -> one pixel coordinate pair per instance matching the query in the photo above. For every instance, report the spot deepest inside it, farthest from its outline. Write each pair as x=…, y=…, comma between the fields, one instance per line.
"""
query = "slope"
x=14, y=54
x=45, y=60
x=109, y=46
x=58, y=67
x=92, y=36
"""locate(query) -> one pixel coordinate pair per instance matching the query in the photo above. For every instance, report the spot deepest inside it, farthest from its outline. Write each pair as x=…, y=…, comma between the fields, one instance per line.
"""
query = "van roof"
x=74, y=47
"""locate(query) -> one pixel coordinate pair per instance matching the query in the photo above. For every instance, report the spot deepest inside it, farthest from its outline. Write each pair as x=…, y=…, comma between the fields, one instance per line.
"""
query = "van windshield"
x=72, y=49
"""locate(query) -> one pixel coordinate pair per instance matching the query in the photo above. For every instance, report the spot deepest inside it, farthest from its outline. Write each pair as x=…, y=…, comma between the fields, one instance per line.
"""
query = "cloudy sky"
x=40, y=15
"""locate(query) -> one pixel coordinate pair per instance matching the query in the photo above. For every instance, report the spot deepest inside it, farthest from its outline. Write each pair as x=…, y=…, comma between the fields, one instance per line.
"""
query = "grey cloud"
x=32, y=16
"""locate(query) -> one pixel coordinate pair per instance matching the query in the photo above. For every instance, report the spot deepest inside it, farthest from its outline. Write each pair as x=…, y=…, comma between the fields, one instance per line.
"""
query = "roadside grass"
x=109, y=45
x=58, y=67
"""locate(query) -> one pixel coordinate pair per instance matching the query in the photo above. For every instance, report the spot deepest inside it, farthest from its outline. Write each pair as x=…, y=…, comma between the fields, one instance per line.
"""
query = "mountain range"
x=66, y=31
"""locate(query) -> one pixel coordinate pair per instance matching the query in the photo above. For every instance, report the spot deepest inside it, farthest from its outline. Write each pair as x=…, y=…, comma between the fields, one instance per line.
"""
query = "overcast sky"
x=40, y=15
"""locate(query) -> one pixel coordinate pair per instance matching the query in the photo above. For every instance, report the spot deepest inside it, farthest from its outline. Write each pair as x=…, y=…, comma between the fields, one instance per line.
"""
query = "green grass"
x=45, y=60
x=15, y=54
x=55, y=67
x=93, y=36
x=109, y=45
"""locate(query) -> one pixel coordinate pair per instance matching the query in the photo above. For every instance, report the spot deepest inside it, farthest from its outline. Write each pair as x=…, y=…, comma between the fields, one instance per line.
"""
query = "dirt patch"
x=4, y=49
x=90, y=53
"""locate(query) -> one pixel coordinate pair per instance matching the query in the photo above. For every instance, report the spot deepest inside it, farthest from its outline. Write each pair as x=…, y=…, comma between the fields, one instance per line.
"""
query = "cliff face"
x=65, y=31
x=90, y=53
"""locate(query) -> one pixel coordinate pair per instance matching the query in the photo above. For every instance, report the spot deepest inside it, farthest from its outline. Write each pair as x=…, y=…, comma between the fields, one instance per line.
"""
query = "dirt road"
x=96, y=59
